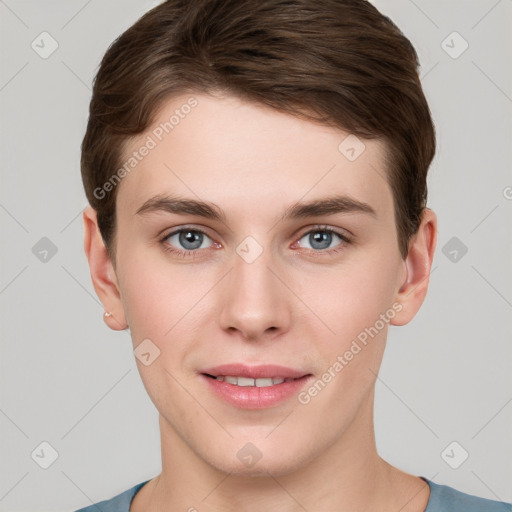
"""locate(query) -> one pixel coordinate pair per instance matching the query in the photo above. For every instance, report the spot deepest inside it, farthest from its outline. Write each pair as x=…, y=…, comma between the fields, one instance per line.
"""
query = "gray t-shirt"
x=442, y=499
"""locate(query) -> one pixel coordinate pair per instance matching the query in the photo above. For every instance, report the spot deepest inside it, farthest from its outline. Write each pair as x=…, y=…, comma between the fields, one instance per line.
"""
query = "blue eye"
x=189, y=239
x=321, y=239
x=187, y=242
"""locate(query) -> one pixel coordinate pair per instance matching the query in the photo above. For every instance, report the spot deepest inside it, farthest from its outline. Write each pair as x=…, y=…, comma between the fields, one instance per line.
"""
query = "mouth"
x=254, y=387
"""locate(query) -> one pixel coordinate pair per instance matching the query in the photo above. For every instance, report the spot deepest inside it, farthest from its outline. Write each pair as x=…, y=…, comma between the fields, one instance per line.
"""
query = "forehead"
x=242, y=154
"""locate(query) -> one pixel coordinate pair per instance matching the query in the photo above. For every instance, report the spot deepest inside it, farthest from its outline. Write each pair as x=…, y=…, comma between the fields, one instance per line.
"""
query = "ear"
x=417, y=269
x=102, y=270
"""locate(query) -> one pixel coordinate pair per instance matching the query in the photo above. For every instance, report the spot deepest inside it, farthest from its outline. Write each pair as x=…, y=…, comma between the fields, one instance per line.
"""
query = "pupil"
x=190, y=237
x=323, y=238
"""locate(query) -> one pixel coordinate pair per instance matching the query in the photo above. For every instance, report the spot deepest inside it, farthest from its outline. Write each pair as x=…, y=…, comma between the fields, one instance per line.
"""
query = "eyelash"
x=187, y=253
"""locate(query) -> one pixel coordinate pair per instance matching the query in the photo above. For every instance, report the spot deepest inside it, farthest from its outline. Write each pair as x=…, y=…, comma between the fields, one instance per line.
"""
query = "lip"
x=252, y=397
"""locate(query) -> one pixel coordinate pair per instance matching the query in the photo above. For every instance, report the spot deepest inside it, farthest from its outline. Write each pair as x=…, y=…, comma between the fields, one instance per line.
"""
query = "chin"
x=249, y=461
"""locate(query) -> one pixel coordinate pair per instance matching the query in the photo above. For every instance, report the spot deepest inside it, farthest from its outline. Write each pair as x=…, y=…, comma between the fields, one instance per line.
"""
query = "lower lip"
x=252, y=397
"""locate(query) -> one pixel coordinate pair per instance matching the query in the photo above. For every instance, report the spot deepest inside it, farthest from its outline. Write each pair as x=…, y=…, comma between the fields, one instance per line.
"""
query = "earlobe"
x=103, y=275
x=418, y=264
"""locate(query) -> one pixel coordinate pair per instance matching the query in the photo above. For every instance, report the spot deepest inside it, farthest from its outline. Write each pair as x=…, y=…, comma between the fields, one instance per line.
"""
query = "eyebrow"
x=327, y=206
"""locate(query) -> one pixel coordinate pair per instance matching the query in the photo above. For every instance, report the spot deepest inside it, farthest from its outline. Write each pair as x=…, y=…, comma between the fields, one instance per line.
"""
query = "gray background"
x=68, y=380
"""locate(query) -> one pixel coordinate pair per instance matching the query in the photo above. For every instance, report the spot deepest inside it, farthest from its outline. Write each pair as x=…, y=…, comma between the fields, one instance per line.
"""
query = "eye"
x=186, y=240
x=321, y=239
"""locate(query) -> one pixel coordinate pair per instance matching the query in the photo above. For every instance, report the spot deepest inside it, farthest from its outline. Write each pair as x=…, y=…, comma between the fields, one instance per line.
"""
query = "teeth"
x=246, y=381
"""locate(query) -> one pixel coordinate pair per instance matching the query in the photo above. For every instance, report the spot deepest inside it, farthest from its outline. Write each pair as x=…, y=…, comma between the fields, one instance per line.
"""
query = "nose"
x=255, y=302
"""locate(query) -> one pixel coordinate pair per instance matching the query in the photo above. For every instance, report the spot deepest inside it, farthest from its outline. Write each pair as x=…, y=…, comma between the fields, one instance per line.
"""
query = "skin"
x=295, y=305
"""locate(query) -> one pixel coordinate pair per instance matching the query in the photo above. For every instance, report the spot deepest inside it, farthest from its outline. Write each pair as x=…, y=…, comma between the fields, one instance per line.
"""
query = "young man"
x=257, y=179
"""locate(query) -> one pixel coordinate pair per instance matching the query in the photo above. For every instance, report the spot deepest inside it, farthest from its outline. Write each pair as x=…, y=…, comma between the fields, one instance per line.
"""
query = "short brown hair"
x=340, y=62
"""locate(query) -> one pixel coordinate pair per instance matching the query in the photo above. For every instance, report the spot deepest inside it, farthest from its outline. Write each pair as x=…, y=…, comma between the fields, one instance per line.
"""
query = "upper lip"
x=254, y=372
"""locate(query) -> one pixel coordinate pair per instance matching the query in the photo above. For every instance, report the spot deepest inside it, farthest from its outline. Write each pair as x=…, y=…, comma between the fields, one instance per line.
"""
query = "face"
x=250, y=237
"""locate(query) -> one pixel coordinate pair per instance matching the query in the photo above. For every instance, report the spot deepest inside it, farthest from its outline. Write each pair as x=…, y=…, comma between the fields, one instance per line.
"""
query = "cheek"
x=147, y=298
x=159, y=305
x=348, y=298
x=354, y=304
x=162, y=300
